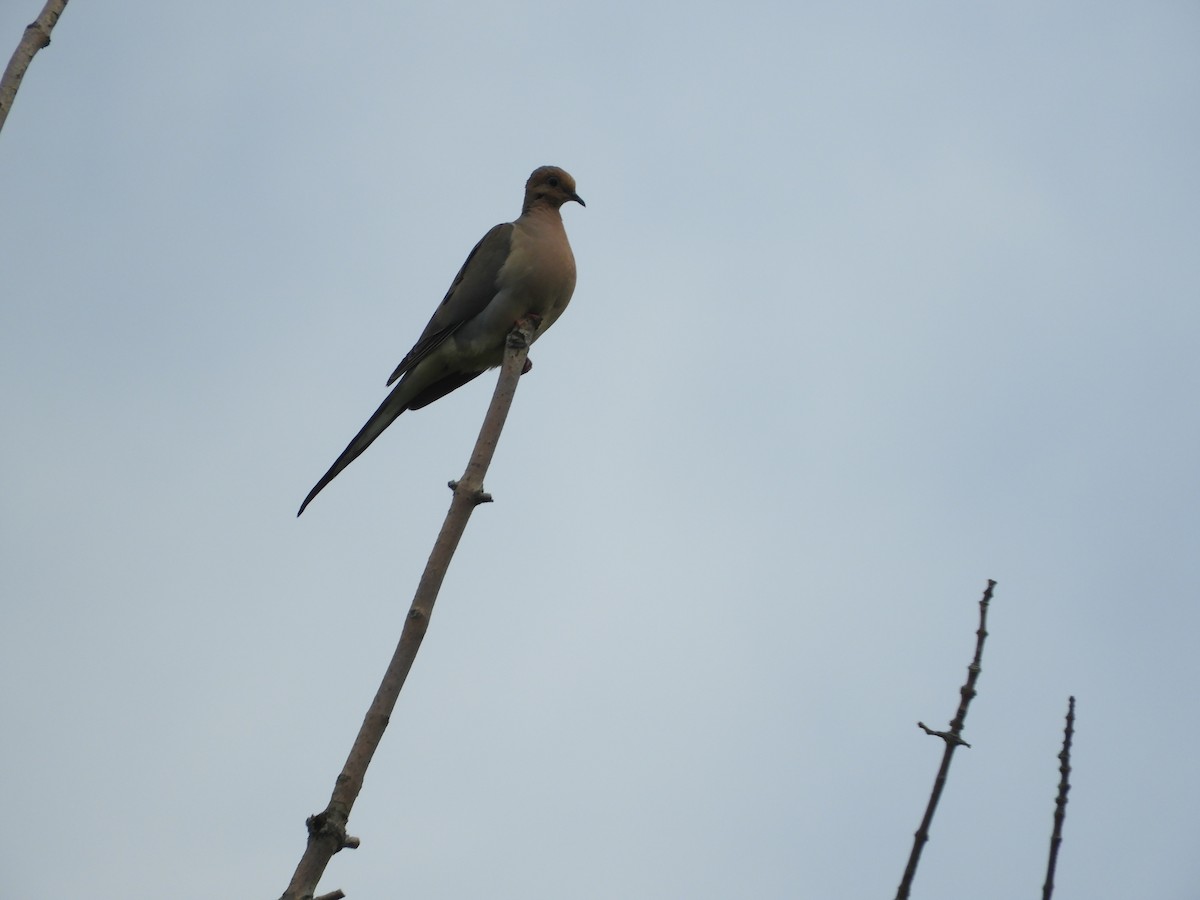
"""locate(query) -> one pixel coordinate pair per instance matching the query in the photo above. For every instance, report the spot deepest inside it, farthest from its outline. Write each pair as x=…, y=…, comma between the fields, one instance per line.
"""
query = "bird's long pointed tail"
x=388, y=411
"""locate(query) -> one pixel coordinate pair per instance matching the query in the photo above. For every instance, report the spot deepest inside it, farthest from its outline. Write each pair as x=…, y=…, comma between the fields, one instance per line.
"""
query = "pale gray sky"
x=875, y=302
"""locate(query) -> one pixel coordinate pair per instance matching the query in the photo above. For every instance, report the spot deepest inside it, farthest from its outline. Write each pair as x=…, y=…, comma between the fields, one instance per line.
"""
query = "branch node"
x=475, y=497
x=948, y=736
x=39, y=35
x=339, y=894
x=326, y=826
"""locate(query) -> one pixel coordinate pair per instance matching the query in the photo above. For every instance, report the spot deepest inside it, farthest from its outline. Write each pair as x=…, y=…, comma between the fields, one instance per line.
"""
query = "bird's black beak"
x=577, y=199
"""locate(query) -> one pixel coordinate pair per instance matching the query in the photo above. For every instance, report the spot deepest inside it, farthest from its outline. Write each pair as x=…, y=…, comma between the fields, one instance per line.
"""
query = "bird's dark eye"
x=552, y=181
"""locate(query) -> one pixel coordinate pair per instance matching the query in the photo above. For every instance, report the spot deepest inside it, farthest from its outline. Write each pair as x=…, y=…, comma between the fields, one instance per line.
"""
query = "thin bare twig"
x=36, y=36
x=952, y=739
x=327, y=829
x=1060, y=804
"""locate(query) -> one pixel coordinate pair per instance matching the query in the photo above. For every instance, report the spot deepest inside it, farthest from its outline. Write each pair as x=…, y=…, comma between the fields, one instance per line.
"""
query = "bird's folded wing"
x=472, y=290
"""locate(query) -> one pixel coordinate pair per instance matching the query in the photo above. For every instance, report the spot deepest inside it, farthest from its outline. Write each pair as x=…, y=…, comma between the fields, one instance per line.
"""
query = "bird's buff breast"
x=538, y=278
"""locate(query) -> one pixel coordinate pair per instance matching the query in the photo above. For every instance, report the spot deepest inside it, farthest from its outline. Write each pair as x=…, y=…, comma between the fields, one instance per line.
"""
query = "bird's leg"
x=529, y=325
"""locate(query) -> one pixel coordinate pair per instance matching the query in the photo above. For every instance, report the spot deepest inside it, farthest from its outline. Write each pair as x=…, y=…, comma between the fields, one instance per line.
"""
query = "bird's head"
x=550, y=186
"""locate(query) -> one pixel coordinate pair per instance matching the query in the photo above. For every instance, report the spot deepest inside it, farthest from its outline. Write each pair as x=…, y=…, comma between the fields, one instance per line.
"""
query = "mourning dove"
x=518, y=269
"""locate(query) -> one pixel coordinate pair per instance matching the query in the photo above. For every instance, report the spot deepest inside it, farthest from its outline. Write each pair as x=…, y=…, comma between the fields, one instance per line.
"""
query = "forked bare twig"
x=952, y=740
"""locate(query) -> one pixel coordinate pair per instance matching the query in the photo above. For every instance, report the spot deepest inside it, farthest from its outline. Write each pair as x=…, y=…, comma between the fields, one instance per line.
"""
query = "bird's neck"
x=537, y=208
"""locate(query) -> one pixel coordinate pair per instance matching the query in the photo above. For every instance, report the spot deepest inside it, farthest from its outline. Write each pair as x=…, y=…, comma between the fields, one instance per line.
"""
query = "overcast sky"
x=876, y=301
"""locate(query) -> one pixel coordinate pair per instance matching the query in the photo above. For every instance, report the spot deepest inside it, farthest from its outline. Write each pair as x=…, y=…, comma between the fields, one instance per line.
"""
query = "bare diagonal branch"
x=36, y=36
x=1060, y=804
x=327, y=829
